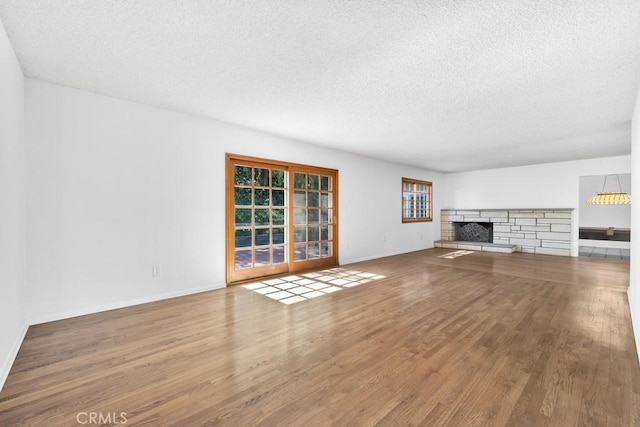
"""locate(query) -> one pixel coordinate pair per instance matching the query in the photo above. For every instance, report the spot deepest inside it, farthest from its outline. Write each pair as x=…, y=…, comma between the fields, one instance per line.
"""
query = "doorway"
x=604, y=229
x=281, y=217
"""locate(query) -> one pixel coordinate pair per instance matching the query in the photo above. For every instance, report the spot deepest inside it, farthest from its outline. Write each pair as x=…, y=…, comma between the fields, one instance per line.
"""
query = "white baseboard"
x=11, y=357
x=369, y=258
x=36, y=320
x=635, y=320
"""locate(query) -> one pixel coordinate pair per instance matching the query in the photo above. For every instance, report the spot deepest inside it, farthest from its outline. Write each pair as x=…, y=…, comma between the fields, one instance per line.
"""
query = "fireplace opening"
x=481, y=232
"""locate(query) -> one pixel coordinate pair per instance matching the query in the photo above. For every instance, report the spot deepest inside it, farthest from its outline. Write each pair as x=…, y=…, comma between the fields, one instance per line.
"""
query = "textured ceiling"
x=446, y=85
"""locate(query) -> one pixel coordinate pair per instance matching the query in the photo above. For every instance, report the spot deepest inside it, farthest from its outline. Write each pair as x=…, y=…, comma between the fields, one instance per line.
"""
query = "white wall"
x=550, y=185
x=634, y=286
x=115, y=187
x=603, y=216
x=13, y=323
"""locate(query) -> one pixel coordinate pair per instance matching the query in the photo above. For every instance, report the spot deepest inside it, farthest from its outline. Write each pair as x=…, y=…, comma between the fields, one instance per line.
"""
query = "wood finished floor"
x=483, y=339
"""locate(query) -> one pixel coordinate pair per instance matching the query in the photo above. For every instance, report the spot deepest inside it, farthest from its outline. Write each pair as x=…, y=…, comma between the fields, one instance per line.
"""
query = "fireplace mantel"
x=538, y=231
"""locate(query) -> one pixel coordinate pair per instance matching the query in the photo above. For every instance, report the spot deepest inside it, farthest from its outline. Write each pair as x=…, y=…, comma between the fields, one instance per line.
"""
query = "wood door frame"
x=268, y=270
x=318, y=262
x=230, y=160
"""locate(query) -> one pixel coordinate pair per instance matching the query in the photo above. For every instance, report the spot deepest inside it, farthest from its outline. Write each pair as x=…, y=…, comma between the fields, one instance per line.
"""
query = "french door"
x=281, y=217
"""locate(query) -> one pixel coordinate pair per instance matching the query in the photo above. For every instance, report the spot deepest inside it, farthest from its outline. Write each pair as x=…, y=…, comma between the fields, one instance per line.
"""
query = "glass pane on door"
x=260, y=216
x=313, y=216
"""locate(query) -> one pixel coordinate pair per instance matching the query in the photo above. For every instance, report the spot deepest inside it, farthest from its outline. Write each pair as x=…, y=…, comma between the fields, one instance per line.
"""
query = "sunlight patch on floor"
x=293, y=289
x=456, y=254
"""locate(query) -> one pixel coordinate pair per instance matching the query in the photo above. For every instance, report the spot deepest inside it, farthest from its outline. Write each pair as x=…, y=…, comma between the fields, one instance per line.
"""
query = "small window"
x=416, y=200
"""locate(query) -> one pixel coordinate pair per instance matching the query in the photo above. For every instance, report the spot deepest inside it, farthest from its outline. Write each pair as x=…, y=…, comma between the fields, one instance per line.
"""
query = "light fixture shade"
x=610, y=198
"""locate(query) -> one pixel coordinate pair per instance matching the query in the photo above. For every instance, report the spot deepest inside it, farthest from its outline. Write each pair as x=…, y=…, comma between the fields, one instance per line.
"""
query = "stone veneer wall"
x=539, y=231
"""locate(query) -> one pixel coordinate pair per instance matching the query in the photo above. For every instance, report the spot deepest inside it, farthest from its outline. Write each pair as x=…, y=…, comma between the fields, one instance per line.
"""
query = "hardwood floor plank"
x=483, y=339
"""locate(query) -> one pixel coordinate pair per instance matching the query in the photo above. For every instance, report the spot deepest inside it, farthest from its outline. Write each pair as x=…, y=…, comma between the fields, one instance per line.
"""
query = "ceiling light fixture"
x=610, y=197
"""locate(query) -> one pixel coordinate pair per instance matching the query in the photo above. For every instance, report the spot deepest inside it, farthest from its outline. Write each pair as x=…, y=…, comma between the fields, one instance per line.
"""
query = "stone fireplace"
x=537, y=231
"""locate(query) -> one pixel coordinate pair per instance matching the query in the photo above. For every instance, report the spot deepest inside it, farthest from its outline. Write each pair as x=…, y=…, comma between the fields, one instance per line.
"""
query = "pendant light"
x=610, y=197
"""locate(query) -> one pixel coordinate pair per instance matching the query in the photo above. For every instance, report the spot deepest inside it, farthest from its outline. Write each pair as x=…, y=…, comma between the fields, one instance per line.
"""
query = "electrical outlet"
x=155, y=271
